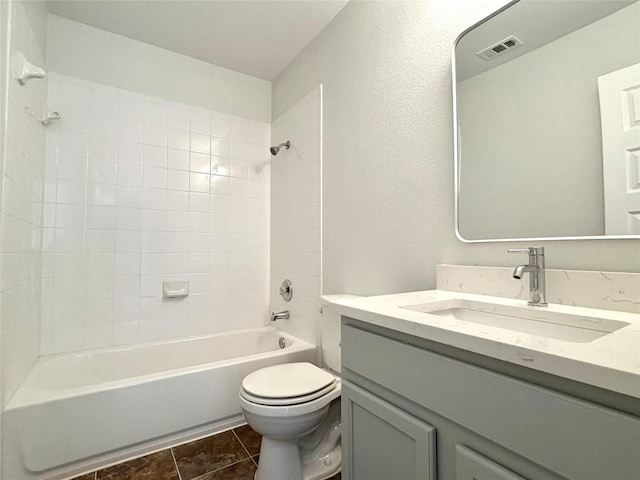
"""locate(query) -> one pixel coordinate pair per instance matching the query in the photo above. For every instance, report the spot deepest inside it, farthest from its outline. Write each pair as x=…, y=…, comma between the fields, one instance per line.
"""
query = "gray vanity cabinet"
x=411, y=413
x=385, y=442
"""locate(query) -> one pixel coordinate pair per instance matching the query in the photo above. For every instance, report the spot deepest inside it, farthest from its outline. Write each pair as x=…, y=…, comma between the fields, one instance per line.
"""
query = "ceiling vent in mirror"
x=499, y=48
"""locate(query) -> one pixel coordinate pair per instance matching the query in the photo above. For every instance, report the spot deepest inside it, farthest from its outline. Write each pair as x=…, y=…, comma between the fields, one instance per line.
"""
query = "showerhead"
x=274, y=150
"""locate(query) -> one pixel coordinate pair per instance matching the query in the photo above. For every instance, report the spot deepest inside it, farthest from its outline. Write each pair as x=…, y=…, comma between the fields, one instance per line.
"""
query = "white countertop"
x=611, y=362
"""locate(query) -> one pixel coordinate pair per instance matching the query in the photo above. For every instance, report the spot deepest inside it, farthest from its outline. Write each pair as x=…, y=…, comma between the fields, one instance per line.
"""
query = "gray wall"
x=540, y=113
x=81, y=51
x=388, y=149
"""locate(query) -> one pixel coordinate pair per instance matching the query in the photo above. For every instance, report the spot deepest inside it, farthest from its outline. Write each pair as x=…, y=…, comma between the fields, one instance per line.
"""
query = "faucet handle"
x=528, y=250
x=520, y=250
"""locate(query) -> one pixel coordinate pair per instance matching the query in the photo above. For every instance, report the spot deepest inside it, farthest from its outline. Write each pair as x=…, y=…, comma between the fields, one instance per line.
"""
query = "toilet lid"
x=287, y=380
x=285, y=402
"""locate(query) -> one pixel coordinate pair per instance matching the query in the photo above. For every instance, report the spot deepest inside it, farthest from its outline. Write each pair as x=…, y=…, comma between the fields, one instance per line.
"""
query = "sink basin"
x=533, y=320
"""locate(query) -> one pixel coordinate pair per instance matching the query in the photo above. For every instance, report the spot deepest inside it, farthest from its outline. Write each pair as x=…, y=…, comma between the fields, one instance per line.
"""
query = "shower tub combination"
x=80, y=411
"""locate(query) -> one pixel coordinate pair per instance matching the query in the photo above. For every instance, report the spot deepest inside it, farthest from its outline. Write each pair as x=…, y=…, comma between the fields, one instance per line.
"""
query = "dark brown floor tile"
x=157, y=466
x=249, y=438
x=86, y=476
x=337, y=476
x=208, y=454
x=244, y=470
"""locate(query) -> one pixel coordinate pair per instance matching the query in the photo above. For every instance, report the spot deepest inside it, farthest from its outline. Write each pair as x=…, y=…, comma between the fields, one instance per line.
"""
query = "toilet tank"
x=330, y=332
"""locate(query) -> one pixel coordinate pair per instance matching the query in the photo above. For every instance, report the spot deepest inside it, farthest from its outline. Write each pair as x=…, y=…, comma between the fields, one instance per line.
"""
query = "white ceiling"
x=259, y=38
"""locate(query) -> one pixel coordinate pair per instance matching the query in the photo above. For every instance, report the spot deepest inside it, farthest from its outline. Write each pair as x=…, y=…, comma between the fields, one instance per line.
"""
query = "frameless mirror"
x=547, y=110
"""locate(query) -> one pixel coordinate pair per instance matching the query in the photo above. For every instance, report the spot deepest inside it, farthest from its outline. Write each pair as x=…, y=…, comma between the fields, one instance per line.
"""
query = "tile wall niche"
x=296, y=236
x=139, y=190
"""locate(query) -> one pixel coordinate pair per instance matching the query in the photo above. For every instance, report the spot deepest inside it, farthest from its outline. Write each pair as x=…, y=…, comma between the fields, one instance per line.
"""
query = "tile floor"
x=230, y=455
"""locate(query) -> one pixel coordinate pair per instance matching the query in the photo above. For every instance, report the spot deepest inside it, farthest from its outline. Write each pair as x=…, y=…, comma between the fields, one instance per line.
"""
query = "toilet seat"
x=263, y=392
x=281, y=390
x=287, y=401
x=290, y=410
x=287, y=383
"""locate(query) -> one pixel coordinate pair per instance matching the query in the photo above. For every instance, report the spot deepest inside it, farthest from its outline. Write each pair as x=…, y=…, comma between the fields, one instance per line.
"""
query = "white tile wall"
x=139, y=190
x=296, y=251
x=21, y=213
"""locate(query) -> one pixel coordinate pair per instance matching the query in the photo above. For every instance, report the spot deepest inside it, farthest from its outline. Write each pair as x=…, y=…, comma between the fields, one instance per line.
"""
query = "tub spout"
x=283, y=315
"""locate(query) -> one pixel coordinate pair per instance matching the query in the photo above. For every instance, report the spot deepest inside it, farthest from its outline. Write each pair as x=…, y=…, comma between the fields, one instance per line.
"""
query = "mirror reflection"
x=548, y=122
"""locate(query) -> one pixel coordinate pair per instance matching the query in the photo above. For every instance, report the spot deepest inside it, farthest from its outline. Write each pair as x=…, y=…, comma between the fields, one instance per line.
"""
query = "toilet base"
x=281, y=461
x=316, y=456
x=321, y=468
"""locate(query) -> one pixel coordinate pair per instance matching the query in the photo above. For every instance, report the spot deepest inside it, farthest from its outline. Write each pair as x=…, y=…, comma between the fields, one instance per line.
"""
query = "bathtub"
x=79, y=411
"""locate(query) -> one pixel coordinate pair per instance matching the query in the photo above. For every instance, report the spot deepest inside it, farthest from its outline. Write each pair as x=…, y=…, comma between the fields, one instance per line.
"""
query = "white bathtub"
x=75, y=412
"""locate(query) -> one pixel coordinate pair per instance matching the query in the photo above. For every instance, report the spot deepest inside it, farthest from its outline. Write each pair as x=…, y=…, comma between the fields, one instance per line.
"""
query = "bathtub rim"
x=28, y=394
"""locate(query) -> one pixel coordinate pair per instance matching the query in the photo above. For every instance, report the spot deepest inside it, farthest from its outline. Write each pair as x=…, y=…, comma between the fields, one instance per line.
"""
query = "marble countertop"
x=611, y=361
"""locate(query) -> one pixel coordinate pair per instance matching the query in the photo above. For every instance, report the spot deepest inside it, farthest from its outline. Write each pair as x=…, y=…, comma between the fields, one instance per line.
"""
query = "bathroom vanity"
x=428, y=394
x=481, y=379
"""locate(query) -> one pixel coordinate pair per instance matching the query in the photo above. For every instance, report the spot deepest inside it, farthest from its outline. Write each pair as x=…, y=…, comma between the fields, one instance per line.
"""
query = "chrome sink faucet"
x=535, y=269
x=283, y=315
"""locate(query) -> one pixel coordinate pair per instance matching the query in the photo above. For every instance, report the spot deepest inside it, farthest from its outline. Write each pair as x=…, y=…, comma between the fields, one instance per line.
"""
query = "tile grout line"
x=175, y=463
x=249, y=457
x=231, y=464
x=242, y=444
x=221, y=468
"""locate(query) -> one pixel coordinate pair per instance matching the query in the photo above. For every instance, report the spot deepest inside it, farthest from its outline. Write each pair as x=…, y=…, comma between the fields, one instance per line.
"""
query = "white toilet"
x=296, y=408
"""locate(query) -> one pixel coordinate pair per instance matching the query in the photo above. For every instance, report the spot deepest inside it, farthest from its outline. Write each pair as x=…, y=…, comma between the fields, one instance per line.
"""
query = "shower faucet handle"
x=286, y=290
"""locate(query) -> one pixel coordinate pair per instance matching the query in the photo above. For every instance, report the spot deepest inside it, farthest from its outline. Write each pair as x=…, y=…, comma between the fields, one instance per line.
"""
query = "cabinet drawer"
x=473, y=466
x=571, y=437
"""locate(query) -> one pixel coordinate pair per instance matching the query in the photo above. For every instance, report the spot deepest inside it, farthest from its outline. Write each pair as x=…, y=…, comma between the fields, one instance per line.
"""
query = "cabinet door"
x=382, y=442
